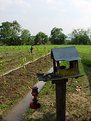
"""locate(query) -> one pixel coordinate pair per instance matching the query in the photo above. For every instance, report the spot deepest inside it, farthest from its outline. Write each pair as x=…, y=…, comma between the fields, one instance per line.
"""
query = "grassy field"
x=13, y=56
x=78, y=98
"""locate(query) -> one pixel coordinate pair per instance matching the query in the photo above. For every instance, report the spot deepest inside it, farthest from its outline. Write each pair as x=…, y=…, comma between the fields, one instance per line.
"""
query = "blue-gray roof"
x=65, y=54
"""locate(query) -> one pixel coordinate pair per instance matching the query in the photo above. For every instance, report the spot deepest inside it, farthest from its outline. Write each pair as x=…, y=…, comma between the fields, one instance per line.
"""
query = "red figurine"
x=35, y=104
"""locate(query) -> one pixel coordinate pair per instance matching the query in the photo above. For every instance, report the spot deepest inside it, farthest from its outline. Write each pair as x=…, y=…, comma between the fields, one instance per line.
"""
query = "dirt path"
x=19, y=111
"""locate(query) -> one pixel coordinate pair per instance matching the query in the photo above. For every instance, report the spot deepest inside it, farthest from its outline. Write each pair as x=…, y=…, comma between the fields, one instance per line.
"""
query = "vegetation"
x=18, y=55
x=78, y=96
x=57, y=37
x=25, y=37
x=18, y=83
x=80, y=37
x=11, y=33
x=41, y=38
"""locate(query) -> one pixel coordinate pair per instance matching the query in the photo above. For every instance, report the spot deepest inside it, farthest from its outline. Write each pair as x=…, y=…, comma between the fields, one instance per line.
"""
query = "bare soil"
x=16, y=84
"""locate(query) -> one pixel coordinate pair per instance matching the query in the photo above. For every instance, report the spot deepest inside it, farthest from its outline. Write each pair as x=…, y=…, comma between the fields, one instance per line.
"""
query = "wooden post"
x=54, y=66
x=60, y=99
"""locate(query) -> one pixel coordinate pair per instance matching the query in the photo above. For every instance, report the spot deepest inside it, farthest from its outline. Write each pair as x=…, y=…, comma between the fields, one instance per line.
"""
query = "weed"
x=24, y=88
x=3, y=105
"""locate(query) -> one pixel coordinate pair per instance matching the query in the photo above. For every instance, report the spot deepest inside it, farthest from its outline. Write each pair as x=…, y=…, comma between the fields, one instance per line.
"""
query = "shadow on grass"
x=52, y=117
x=0, y=117
x=88, y=73
x=46, y=117
x=86, y=61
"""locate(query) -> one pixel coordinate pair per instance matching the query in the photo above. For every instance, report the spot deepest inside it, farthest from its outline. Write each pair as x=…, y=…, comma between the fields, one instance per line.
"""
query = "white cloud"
x=83, y=6
x=22, y=3
x=82, y=10
x=4, y=4
x=50, y=1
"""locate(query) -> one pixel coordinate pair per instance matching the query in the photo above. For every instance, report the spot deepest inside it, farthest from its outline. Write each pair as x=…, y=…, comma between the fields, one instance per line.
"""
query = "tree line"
x=11, y=33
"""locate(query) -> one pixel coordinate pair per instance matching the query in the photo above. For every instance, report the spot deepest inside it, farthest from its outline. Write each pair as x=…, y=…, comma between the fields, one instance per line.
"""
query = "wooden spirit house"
x=60, y=75
x=68, y=54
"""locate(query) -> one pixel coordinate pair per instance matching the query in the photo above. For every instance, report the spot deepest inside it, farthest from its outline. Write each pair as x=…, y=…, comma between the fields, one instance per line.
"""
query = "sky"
x=44, y=15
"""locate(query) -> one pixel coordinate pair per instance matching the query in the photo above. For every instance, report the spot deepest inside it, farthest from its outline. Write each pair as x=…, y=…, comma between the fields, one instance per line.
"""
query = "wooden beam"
x=60, y=99
x=54, y=66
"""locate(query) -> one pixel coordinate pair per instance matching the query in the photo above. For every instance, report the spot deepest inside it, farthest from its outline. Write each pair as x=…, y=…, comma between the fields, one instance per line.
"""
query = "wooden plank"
x=52, y=76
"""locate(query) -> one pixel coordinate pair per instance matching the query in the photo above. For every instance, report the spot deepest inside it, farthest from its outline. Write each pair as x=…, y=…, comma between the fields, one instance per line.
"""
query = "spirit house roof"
x=65, y=54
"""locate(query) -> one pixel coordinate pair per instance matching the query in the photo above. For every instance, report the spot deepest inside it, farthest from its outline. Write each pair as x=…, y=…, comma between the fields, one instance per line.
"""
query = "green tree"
x=9, y=33
x=80, y=36
x=5, y=32
x=41, y=38
x=57, y=37
x=25, y=36
x=16, y=26
x=31, y=40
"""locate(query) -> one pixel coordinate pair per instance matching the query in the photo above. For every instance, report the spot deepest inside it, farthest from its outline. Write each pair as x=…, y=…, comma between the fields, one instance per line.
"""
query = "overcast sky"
x=43, y=15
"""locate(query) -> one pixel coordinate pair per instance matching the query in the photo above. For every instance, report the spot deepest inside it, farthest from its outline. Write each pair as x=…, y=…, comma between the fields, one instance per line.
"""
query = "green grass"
x=40, y=48
x=48, y=89
x=18, y=55
x=77, y=102
x=86, y=59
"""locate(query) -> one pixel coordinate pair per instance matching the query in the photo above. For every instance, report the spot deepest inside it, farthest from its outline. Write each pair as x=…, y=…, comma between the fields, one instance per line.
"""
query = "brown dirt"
x=16, y=84
x=13, y=60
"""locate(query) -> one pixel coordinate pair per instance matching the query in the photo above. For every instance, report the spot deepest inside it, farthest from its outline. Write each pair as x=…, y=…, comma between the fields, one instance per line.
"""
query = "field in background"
x=14, y=56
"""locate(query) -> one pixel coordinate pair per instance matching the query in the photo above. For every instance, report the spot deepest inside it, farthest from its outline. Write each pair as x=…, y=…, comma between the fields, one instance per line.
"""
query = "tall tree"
x=31, y=40
x=41, y=38
x=57, y=36
x=9, y=33
x=5, y=32
x=25, y=36
x=16, y=26
x=80, y=36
